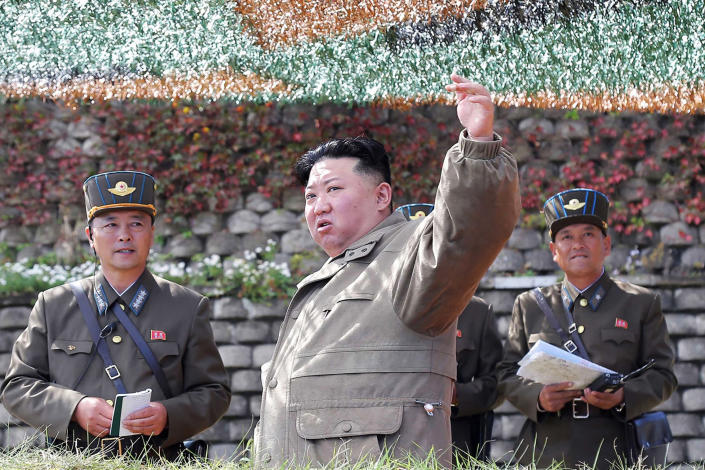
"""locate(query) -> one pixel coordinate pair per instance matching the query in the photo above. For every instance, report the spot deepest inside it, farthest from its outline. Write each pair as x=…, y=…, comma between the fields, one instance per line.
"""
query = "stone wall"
x=670, y=262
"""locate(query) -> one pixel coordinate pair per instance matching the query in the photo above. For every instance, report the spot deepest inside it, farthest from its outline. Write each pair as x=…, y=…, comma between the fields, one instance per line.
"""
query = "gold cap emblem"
x=121, y=189
x=574, y=205
x=418, y=215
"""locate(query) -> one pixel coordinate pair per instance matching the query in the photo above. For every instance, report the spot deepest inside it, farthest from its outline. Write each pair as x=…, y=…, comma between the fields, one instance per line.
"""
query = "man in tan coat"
x=365, y=359
x=57, y=383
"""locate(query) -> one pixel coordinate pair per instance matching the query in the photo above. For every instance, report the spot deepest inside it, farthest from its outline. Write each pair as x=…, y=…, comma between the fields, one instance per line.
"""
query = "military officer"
x=621, y=327
x=478, y=350
x=56, y=383
x=365, y=358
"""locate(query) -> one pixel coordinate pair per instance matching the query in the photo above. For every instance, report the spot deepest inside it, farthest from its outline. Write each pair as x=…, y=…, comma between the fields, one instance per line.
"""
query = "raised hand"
x=475, y=108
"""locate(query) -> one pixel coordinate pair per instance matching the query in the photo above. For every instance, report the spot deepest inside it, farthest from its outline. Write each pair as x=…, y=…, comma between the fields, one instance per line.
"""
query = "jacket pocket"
x=549, y=338
x=617, y=335
x=161, y=349
x=341, y=422
x=346, y=300
x=71, y=347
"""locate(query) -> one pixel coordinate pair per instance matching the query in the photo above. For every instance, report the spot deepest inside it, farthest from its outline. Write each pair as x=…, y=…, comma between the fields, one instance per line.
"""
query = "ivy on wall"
x=205, y=155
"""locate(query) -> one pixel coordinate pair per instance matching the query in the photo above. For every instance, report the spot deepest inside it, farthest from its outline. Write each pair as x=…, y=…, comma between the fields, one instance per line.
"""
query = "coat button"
x=272, y=383
x=109, y=402
x=583, y=302
x=117, y=339
x=347, y=427
x=266, y=457
x=581, y=328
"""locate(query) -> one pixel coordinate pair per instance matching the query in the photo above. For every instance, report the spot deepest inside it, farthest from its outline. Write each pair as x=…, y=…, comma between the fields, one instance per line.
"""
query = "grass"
x=29, y=457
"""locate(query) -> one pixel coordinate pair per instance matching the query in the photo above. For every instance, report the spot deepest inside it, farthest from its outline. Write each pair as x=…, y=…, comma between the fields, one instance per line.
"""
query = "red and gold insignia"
x=121, y=189
x=619, y=323
x=157, y=335
x=458, y=333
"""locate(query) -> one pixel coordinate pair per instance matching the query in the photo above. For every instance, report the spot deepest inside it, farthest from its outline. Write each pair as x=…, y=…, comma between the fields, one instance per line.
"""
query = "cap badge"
x=121, y=189
x=574, y=205
x=418, y=215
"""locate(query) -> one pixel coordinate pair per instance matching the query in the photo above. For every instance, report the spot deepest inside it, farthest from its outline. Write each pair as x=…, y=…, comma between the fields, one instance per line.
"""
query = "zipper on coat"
x=429, y=407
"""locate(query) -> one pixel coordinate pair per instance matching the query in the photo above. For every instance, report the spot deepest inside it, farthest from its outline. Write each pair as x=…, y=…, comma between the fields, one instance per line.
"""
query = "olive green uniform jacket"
x=369, y=339
x=54, y=350
x=478, y=350
x=623, y=329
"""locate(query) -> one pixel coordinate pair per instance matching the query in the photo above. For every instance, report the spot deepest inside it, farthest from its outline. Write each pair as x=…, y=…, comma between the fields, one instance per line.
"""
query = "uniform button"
x=347, y=427
x=109, y=402
x=117, y=339
x=583, y=302
x=272, y=383
x=266, y=457
x=581, y=328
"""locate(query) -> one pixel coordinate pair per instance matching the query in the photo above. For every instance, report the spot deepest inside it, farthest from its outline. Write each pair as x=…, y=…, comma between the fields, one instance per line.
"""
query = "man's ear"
x=552, y=247
x=383, y=193
x=89, y=234
x=607, y=245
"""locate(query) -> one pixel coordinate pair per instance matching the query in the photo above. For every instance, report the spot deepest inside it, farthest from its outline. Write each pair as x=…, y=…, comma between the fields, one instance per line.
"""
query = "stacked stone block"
x=672, y=262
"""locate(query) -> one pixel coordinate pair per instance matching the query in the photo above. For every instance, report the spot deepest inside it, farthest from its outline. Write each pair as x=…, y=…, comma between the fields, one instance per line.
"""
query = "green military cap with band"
x=576, y=206
x=117, y=190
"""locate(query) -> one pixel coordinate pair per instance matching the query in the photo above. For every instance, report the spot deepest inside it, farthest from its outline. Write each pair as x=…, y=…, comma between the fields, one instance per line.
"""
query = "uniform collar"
x=594, y=294
x=359, y=249
x=365, y=245
x=135, y=297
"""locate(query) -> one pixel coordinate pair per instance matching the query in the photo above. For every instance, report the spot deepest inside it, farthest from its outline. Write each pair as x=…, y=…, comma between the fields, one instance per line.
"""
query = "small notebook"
x=125, y=404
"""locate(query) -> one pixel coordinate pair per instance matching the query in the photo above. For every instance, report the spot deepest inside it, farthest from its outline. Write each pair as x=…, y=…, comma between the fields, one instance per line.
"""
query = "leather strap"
x=572, y=343
x=94, y=329
x=144, y=349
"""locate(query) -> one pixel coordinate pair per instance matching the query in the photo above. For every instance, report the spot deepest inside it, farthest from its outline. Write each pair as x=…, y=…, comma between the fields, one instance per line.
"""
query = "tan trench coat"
x=54, y=350
x=369, y=339
x=622, y=328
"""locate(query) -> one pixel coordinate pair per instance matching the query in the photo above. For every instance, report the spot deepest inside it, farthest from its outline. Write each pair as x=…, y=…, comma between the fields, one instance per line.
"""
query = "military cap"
x=576, y=206
x=119, y=190
x=414, y=211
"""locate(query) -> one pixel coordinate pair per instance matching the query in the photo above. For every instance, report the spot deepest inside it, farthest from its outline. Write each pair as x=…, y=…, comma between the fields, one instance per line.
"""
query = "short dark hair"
x=373, y=158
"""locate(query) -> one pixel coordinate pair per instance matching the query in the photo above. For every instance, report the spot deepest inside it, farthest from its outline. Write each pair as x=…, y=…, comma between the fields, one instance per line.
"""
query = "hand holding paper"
x=125, y=405
x=548, y=364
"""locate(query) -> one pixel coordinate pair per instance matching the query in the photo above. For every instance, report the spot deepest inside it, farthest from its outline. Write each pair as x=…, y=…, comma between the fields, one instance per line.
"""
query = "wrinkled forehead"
x=578, y=228
x=122, y=214
x=330, y=168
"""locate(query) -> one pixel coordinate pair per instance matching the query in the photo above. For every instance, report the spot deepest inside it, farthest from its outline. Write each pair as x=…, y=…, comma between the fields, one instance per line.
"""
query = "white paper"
x=548, y=364
x=124, y=405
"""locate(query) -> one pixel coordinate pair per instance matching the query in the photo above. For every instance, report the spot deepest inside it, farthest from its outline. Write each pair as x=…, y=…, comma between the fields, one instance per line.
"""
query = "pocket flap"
x=618, y=335
x=546, y=338
x=162, y=349
x=354, y=296
x=323, y=423
x=72, y=346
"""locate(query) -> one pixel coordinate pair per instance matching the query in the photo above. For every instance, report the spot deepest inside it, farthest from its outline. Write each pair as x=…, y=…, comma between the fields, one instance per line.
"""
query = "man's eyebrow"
x=326, y=181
